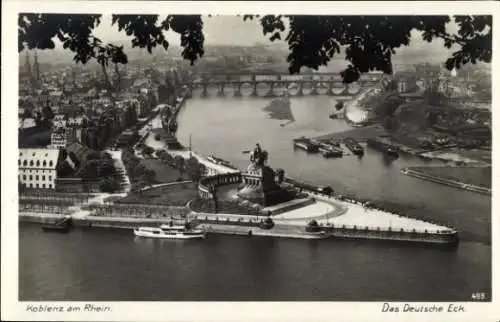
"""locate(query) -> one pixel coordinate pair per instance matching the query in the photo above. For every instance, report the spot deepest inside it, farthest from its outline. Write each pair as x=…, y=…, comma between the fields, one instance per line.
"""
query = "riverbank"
x=473, y=179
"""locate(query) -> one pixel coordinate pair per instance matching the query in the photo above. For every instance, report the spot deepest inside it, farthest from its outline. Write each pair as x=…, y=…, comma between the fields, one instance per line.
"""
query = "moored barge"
x=354, y=146
x=383, y=147
x=330, y=151
x=306, y=144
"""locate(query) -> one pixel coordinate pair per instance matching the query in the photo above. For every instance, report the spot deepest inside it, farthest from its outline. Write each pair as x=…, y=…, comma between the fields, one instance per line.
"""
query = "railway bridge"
x=272, y=85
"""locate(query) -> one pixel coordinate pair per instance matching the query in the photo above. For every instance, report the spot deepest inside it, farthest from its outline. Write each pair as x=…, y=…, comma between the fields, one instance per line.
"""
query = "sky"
x=225, y=30
x=232, y=30
x=218, y=30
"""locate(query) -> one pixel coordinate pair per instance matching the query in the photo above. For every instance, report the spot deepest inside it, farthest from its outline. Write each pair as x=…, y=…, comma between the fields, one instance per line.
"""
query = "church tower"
x=27, y=64
x=37, y=70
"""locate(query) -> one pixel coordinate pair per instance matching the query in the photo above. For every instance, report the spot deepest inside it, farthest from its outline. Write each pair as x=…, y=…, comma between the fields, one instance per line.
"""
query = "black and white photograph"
x=172, y=156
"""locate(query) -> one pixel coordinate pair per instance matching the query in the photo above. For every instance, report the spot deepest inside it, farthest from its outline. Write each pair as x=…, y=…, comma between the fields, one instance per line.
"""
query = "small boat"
x=393, y=152
x=328, y=151
x=170, y=232
x=354, y=146
x=60, y=226
x=306, y=144
x=335, y=143
x=55, y=228
x=317, y=234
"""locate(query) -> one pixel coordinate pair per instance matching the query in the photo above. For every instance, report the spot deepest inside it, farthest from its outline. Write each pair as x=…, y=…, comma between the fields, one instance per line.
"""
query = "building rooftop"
x=42, y=158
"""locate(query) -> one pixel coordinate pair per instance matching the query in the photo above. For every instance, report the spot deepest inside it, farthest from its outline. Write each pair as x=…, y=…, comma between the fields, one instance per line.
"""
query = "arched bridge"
x=275, y=85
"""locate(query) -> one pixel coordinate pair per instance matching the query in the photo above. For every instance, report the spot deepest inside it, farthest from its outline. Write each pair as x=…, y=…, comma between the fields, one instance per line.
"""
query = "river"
x=113, y=265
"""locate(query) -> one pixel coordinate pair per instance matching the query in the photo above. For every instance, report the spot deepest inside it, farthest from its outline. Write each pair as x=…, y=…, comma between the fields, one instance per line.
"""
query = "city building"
x=37, y=168
x=59, y=136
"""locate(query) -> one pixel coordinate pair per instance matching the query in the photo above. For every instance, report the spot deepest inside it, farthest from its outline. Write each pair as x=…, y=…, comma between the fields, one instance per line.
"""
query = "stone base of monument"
x=257, y=195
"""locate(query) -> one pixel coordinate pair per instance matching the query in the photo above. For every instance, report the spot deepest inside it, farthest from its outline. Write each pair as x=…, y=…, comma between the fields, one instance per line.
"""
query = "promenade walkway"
x=165, y=184
x=360, y=216
x=301, y=216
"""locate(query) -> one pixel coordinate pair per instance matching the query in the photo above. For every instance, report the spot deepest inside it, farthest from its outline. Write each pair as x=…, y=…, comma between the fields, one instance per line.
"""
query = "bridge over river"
x=236, y=84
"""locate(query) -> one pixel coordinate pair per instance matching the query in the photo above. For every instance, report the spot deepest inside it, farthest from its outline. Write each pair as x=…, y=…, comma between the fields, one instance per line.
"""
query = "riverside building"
x=37, y=168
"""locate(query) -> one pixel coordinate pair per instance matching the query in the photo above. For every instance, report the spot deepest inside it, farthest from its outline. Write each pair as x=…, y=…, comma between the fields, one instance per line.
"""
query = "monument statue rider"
x=259, y=184
x=258, y=156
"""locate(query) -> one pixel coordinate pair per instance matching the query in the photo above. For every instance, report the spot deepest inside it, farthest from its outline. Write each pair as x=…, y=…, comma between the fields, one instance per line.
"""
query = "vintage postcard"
x=234, y=161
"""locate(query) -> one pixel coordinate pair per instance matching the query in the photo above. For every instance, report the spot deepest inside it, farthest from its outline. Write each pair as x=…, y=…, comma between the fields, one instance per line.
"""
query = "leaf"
x=275, y=36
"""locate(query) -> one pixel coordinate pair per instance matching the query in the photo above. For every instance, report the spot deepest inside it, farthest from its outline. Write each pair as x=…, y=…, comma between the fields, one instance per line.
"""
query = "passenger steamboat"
x=170, y=232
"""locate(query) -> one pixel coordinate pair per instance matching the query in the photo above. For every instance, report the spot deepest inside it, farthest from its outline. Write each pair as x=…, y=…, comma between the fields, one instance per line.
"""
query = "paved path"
x=166, y=184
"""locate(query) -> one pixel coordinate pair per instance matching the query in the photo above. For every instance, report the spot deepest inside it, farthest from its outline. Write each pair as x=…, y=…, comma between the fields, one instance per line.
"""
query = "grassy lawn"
x=479, y=176
x=362, y=133
x=175, y=195
x=164, y=172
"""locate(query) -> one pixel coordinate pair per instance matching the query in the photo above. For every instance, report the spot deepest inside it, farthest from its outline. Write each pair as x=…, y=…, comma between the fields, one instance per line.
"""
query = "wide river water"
x=112, y=265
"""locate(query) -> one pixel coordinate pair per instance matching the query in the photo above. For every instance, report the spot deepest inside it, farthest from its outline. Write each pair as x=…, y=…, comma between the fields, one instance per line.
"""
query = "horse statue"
x=258, y=156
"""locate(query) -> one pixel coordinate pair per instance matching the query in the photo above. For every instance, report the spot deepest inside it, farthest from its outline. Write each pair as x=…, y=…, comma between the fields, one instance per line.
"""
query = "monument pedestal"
x=259, y=187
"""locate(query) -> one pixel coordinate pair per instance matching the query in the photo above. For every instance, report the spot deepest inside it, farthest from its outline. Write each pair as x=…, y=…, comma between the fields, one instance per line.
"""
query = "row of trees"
x=190, y=167
x=93, y=166
x=138, y=173
x=96, y=134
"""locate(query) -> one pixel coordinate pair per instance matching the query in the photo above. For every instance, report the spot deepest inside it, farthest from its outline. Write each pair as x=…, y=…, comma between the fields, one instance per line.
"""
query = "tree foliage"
x=109, y=185
x=369, y=42
x=194, y=168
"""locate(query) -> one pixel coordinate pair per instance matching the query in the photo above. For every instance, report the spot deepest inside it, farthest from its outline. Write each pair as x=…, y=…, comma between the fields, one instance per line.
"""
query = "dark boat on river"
x=388, y=149
x=354, y=146
x=306, y=144
x=335, y=143
x=60, y=226
x=330, y=151
x=392, y=151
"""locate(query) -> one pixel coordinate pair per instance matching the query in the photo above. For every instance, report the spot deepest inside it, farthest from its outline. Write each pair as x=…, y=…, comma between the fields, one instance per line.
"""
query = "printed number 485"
x=478, y=296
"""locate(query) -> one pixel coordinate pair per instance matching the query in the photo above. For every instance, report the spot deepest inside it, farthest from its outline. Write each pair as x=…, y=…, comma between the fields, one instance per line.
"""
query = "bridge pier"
x=237, y=92
x=301, y=89
x=220, y=91
x=189, y=93
x=314, y=90
x=270, y=93
x=254, y=91
x=330, y=87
